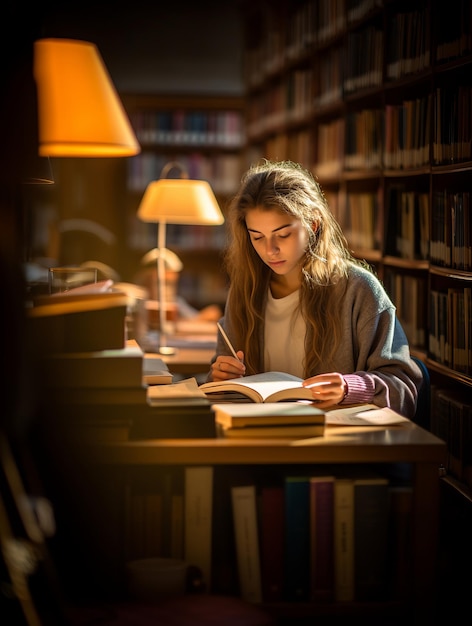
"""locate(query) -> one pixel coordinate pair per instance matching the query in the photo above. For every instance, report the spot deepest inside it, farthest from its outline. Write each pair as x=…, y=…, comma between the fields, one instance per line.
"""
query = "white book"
x=247, y=542
x=344, y=539
x=198, y=519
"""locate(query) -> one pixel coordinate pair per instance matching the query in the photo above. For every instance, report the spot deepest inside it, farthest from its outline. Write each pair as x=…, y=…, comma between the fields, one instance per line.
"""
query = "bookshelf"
x=374, y=98
x=206, y=135
x=143, y=467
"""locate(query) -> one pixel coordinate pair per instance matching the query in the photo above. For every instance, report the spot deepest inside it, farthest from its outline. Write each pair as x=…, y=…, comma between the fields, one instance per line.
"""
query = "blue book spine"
x=297, y=538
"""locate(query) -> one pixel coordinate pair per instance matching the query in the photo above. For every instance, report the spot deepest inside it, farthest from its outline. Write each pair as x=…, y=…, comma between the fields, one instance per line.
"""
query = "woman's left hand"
x=327, y=389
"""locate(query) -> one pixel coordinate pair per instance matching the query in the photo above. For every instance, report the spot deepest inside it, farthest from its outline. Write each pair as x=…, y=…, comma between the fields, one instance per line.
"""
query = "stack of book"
x=270, y=419
x=122, y=394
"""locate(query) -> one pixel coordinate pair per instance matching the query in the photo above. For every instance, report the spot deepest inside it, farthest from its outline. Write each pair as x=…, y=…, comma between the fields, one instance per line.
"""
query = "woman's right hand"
x=227, y=367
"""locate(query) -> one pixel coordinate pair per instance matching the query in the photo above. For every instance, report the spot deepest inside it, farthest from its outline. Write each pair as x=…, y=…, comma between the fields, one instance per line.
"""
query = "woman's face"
x=279, y=239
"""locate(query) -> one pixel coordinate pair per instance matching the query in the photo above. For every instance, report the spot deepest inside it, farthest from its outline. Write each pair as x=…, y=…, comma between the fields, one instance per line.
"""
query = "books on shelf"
x=322, y=538
x=272, y=529
x=297, y=538
x=198, y=506
x=292, y=537
x=246, y=535
x=344, y=539
x=371, y=535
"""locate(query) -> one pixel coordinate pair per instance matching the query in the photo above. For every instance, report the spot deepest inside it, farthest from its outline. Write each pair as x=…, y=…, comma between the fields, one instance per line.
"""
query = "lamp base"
x=167, y=350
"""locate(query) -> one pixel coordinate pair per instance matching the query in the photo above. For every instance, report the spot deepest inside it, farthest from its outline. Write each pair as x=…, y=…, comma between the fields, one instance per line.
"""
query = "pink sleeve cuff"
x=360, y=390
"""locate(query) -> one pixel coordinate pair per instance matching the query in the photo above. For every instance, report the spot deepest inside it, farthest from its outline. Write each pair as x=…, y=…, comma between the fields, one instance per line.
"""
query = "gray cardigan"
x=373, y=354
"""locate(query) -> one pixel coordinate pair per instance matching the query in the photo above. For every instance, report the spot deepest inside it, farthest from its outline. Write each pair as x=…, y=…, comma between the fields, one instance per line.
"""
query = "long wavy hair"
x=288, y=188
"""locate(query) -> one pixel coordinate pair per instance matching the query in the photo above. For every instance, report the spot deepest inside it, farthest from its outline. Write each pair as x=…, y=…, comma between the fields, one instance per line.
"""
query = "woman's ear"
x=314, y=227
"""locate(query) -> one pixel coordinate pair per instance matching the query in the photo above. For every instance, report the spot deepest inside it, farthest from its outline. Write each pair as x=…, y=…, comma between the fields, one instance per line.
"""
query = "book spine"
x=371, y=516
x=198, y=519
x=344, y=539
x=272, y=542
x=247, y=542
x=400, y=561
x=322, y=538
x=297, y=538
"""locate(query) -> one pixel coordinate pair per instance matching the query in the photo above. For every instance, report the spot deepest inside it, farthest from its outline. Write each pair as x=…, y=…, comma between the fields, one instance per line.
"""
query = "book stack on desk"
x=103, y=395
x=274, y=419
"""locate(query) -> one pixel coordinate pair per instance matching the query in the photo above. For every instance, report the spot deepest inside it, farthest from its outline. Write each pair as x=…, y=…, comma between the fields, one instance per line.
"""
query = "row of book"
x=407, y=40
x=395, y=137
x=222, y=170
x=450, y=329
x=191, y=128
x=451, y=420
x=409, y=294
x=301, y=538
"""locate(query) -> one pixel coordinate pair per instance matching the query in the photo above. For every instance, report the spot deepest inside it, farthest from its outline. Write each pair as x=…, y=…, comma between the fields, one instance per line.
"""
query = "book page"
x=364, y=415
x=187, y=388
x=257, y=387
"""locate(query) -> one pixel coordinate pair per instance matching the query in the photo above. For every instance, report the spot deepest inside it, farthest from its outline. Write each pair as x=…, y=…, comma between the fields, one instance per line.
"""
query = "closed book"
x=322, y=538
x=225, y=575
x=78, y=322
x=272, y=526
x=122, y=367
x=344, y=539
x=400, y=555
x=153, y=538
x=267, y=414
x=155, y=371
x=198, y=501
x=291, y=431
x=297, y=538
x=99, y=395
x=371, y=519
x=247, y=542
x=175, y=420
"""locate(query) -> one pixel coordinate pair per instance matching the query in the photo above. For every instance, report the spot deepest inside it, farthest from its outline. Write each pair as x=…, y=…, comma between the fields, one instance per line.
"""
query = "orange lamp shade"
x=79, y=111
x=180, y=201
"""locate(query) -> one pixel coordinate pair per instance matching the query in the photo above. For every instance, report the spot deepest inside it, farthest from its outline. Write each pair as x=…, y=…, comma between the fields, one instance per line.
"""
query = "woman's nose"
x=272, y=247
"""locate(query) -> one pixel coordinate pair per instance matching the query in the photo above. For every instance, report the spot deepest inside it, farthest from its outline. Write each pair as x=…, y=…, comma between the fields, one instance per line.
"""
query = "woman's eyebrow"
x=253, y=230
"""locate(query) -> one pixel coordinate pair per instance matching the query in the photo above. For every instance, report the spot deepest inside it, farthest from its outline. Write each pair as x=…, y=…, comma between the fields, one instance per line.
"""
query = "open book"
x=266, y=387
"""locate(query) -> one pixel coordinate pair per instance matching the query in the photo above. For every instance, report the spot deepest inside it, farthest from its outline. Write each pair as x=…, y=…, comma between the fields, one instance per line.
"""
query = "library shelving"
x=205, y=135
x=374, y=97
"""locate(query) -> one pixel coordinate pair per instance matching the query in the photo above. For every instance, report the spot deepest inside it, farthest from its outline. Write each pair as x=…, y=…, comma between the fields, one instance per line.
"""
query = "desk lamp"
x=175, y=201
x=79, y=111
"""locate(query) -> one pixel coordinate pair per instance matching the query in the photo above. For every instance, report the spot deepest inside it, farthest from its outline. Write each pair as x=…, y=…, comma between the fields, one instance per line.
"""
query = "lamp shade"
x=79, y=111
x=180, y=201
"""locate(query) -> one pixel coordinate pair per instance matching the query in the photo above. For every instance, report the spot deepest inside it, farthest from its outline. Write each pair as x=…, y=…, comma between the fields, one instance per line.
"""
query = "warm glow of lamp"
x=79, y=111
x=175, y=201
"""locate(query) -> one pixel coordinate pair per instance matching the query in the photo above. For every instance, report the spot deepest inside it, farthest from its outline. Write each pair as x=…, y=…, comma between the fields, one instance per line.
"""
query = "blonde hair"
x=287, y=187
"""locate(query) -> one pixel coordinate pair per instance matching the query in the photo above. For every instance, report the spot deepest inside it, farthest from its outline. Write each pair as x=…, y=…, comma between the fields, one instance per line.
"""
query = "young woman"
x=300, y=303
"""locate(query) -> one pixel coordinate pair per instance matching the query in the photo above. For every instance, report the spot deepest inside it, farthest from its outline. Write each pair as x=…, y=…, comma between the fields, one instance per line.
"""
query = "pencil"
x=227, y=341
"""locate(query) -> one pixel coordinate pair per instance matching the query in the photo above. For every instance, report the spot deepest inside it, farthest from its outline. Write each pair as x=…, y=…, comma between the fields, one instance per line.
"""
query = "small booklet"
x=155, y=371
x=266, y=387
